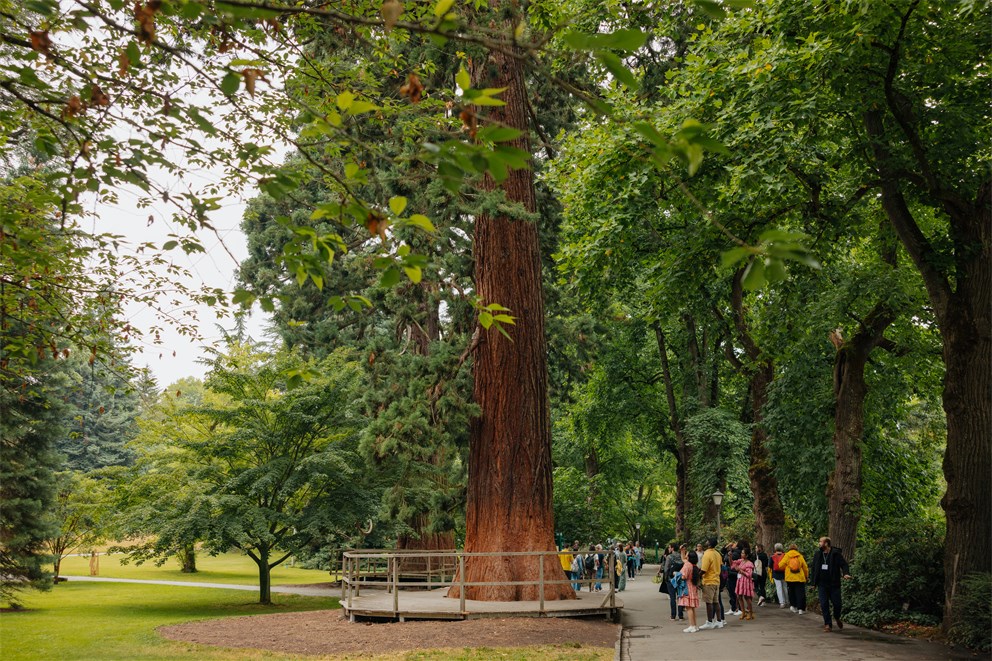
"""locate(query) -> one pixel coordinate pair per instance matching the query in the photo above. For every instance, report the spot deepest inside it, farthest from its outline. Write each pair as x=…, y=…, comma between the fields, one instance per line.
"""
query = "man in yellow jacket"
x=796, y=573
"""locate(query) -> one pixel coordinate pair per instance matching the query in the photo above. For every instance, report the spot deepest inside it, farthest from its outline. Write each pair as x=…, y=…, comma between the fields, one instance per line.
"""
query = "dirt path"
x=327, y=632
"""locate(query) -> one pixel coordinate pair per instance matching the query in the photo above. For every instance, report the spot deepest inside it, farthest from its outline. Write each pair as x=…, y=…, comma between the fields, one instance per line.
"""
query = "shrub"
x=898, y=575
x=975, y=597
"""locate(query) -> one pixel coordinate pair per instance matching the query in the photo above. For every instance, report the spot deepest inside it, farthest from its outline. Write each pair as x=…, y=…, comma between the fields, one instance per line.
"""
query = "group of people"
x=694, y=577
x=619, y=562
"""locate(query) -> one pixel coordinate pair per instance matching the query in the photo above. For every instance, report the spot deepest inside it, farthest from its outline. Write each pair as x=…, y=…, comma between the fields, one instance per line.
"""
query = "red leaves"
x=144, y=16
x=41, y=42
x=250, y=75
x=376, y=224
x=413, y=88
x=97, y=96
x=73, y=107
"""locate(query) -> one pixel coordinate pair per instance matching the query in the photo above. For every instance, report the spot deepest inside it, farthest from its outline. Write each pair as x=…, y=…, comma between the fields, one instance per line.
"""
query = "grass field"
x=117, y=622
x=224, y=568
x=110, y=621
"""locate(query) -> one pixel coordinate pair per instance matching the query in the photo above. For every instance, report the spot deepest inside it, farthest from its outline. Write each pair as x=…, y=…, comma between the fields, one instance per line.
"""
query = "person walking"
x=745, y=584
x=778, y=576
x=760, y=573
x=796, y=575
x=691, y=577
x=710, y=568
x=829, y=566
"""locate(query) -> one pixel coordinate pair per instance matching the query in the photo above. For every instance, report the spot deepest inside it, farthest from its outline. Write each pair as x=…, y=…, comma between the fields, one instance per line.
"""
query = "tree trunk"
x=509, y=502
x=422, y=540
x=963, y=313
x=967, y=469
x=850, y=391
x=769, y=516
x=187, y=559
x=57, y=567
x=264, y=577
x=681, y=449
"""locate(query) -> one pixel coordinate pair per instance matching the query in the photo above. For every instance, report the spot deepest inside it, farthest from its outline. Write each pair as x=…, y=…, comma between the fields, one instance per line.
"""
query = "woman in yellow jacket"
x=796, y=572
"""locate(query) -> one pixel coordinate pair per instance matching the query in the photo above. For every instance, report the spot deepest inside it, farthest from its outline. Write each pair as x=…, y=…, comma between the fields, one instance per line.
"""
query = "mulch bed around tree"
x=328, y=632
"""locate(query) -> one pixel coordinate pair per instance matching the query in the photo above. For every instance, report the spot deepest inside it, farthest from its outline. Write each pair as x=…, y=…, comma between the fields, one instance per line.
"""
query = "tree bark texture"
x=963, y=306
x=681, y=448
x=509, y=501
x=769, y=515
x=850, y=391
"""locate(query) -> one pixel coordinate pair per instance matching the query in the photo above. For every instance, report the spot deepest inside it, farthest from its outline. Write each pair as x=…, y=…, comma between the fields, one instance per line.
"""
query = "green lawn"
x=109, y=621
x=224, y=568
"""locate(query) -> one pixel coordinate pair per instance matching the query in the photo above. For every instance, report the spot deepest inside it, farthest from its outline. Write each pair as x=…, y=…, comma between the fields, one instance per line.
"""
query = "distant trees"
x=256, y=465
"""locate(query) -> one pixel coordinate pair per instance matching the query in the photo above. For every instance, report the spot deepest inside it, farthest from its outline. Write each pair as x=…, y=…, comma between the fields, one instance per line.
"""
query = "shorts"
x=711, y=594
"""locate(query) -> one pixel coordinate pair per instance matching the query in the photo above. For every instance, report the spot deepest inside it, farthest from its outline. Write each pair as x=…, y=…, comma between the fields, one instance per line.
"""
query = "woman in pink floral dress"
x=745, y=583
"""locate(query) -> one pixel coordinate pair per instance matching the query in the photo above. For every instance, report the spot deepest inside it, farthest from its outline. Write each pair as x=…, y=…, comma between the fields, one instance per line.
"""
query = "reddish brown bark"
x=509, y=502
x=850, y=391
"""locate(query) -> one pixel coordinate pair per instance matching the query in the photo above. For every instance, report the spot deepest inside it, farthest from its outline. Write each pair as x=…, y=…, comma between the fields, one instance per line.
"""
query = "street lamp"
x=638, y=526
x=717, y=500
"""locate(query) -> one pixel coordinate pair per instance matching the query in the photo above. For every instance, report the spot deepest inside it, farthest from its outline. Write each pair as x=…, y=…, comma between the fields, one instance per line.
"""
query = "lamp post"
x=638, y=527
x=717, y=500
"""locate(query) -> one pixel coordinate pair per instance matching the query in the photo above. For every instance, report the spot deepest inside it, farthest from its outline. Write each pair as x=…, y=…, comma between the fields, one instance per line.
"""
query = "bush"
x=898, y=576
x=975, y=597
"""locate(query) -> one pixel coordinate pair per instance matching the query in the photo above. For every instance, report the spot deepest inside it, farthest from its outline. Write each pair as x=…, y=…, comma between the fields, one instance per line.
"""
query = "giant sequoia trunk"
x=850, y=391
x=509, y=504
x=963, y=307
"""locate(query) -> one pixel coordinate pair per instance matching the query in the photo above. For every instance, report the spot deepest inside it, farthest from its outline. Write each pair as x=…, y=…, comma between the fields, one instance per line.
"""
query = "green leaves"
x=495, y=316
x=230, y=84
x=767, y=260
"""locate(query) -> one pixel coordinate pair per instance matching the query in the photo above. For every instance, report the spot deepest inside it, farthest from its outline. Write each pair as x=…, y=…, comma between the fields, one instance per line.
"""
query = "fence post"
x=461, y=582
x=540, y=578
x=396, y=587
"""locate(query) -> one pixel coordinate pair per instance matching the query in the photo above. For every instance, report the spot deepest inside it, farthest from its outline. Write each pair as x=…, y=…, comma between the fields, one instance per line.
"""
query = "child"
x=692, y=577
x=745, y=584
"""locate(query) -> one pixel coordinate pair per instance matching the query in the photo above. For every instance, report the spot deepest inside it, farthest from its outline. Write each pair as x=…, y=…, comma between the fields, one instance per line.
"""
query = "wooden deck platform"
x=434, y=605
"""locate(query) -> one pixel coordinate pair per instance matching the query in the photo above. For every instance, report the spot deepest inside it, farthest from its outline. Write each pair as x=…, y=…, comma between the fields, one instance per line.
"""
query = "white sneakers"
x=721, y=624
x=692, y=629
x=793, y=609
x=736, y=612
x=802, y=612
x=761, y=601
x=707, y=625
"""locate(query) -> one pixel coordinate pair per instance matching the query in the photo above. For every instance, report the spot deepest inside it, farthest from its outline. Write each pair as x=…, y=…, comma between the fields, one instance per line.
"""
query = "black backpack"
x=590, y=562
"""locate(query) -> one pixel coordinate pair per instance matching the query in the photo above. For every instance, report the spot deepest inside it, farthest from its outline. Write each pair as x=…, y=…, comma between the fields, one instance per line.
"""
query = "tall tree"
x=509, y=501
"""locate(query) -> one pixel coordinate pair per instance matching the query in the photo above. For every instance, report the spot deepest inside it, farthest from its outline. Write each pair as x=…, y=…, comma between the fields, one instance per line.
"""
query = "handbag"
x=656, y=579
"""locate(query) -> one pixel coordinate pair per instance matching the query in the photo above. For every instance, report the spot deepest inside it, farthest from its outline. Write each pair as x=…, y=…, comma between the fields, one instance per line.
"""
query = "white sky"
x=214, y=268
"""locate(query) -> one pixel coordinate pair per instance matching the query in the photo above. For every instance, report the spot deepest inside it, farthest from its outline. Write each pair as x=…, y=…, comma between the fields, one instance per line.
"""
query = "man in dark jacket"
x=828, y=567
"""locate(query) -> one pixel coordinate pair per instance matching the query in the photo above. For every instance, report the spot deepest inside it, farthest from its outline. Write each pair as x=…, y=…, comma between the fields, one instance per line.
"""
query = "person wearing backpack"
x=796, y=575
x=778, y=576
x=578, y=566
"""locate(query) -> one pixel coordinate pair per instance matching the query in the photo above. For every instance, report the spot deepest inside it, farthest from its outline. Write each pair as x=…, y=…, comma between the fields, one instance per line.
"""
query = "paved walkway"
x=304, y=590
x=650, y=635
